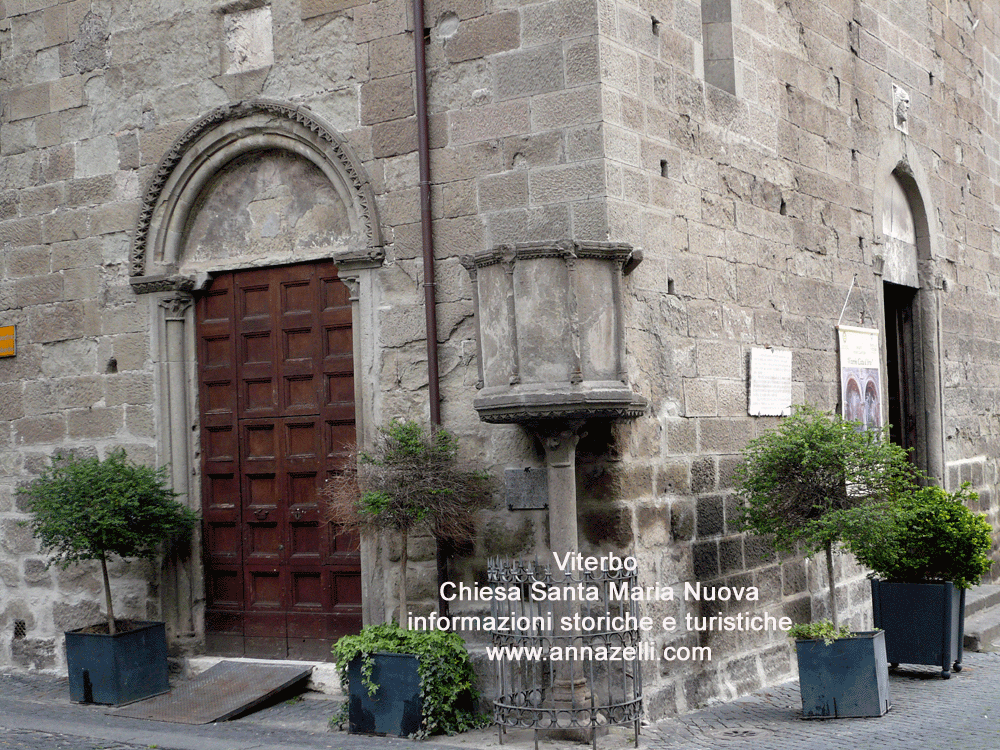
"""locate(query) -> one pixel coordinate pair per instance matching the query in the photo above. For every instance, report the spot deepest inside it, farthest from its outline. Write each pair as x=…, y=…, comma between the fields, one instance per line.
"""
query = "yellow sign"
x=8, y=344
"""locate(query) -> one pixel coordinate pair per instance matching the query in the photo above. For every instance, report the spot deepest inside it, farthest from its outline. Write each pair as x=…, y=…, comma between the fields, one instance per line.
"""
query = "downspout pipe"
x=426, y=233
x=427, y=243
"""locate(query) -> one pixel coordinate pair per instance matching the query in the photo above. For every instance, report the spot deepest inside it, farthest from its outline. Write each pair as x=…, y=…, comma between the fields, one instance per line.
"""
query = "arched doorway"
x=910, y=324
x=255, y=245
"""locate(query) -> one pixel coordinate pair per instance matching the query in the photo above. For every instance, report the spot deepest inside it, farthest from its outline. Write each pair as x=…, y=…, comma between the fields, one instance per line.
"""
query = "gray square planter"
x=396, y=708
x=847, y=679
x=120, y=668
x=924, y=623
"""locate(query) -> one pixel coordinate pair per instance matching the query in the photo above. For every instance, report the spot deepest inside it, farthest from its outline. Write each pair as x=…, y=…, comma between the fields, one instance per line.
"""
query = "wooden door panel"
x=276, y=379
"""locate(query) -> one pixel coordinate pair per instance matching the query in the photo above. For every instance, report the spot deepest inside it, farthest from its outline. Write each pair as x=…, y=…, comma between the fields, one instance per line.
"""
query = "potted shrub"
x=791, y=480
x=410, y=479
x=925, y=550
x=846, y=673
x=89, y=509
x=377, y=662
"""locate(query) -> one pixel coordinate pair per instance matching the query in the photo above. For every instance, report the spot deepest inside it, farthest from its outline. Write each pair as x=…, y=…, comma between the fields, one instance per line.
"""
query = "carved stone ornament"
x=900, y=109
x=150, y=272
x=551, y=332
x=176, y=308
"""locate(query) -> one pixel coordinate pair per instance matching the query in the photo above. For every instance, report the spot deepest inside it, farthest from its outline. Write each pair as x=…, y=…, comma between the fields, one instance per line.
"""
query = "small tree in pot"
x=410, y=479
x=88, y=509
x=793, y=477
x=791, y=480
x=926, y=549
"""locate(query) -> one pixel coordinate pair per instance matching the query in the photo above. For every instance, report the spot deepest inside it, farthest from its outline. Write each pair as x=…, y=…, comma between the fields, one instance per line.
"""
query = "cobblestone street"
x=927, y=712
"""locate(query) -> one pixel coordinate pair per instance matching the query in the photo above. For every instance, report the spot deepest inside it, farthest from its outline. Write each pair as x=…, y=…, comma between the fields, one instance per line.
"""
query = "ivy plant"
x=813, y=464
x=927, y=535
x=447, y=680
x=823, y=629
x=89, y=509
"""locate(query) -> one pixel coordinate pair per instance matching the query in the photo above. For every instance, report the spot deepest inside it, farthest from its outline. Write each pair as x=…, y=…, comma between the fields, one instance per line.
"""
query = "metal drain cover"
x=739, y=734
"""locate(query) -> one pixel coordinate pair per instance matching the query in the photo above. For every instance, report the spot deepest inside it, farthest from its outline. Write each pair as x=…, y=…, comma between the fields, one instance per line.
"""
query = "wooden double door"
x=276, y=391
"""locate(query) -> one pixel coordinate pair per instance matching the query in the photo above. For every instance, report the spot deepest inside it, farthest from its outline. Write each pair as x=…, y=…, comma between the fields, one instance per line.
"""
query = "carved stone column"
x=182, y=594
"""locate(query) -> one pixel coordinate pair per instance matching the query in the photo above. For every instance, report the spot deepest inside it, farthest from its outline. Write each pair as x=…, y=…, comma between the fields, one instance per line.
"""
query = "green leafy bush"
x=447, y=680
x=87, y=509
x=811, y=465
x=814, y=631
x=929, y=535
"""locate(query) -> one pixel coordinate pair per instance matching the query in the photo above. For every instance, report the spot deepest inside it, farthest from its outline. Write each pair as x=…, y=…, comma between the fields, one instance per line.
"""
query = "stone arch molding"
x=216, y=140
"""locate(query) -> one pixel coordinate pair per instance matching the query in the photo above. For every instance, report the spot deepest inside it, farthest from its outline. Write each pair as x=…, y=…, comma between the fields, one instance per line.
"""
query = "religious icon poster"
x=860, y=382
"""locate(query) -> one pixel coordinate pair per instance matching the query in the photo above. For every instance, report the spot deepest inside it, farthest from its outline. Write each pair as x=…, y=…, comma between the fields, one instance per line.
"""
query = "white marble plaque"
x=770, y=383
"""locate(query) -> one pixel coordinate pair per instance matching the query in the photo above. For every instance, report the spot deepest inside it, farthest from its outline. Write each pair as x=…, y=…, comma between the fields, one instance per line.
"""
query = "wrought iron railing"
x=575, y=678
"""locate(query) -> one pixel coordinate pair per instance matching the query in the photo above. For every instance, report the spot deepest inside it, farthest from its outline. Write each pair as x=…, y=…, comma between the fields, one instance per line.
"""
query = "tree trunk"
x=107, y=596
x=832, y=582
x=402, y=579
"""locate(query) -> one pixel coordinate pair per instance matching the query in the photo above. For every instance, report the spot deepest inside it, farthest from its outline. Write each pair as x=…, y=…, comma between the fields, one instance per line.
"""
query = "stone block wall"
x=582, y=119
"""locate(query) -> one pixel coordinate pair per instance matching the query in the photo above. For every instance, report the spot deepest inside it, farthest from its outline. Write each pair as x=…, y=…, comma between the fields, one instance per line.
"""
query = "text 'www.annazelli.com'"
x=644, y=651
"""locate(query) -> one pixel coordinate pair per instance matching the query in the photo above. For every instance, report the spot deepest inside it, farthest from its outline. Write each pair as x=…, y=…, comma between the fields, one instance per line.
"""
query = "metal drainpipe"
x=427, y=237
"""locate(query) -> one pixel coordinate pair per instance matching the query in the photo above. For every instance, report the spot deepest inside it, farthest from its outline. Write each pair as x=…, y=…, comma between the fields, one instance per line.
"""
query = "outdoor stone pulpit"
x=549, y=318
x=551, y=333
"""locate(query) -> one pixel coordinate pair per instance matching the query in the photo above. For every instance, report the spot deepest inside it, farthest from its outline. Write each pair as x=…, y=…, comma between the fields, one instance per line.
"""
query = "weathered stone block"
x=703, y=474
x=66, y=93
x=57, y=322
x=759, y=551
x=485, y=35
x=503, y=192
x=313, y=8
x=565, y=109
x=725, y=435
x=706, y=560
x=72, y=616
x=607, y=525
x=558, y=19
x=29, y=101
x=95, y=422
x=710, y=516
x=15, y=538
x=490, y=121
x=700, y=398
x=673, y=478
x=386, y=99
x=731, y=555
x=40, y=430
x=536, y=70
x=391, y=55
x=653, y=523
x=36, y=573
x=34, y=653
x=566, y=183
x=394, y=137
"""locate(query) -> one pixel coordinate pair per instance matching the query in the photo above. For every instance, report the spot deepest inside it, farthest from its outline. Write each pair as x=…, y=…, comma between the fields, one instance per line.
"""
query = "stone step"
x=982, y=618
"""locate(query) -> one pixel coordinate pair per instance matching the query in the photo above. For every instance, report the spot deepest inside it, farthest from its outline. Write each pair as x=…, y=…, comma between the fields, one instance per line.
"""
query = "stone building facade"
x=782, y=164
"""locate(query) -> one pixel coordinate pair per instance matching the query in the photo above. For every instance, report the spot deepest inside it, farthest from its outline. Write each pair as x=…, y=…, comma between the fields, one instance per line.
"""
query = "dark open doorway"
x=901, y=357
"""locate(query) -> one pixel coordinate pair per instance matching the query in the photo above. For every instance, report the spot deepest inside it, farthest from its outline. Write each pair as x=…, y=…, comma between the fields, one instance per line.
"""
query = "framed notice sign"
x=860, y=382
x=8, y=341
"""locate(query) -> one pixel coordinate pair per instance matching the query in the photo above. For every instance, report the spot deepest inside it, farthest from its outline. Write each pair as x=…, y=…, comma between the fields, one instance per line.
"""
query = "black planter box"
x=847, y=679
x=120, y=668
x=924, y=623
x=396, y=708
